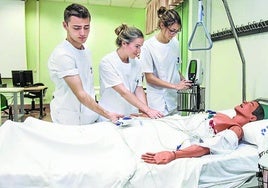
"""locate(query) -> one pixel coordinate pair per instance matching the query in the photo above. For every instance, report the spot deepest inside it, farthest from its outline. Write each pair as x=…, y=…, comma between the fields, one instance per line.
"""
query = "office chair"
x=7, y=109
x=34, y=95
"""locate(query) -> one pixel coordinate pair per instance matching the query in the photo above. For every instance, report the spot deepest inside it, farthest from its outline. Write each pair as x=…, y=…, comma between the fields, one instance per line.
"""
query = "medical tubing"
x=167, y=120
x=163, y=145
x=186, y=131
x=132, y=151
x=150, y=167
x=176, y=128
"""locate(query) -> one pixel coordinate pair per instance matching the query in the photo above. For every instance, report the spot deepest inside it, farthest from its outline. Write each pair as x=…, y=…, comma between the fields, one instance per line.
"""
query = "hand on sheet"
x=154, y=114
x=162, y=157
x=138, y=115
x=113, y=117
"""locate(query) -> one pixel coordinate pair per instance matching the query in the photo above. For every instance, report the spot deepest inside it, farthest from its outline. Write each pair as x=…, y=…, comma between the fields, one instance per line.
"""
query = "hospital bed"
x=35, y=153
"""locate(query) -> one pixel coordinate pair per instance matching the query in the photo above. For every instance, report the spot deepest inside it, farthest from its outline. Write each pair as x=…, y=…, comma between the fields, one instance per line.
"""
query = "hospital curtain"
x=151, y=12
x=183, y=11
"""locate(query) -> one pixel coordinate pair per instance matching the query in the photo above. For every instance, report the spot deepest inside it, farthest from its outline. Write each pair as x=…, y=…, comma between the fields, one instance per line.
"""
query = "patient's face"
x=244, y=112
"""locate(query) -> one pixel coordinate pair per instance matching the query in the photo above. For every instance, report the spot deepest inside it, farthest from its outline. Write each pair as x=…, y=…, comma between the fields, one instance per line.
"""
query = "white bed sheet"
x=42, y=154
x=51, y=156
x=212, y=171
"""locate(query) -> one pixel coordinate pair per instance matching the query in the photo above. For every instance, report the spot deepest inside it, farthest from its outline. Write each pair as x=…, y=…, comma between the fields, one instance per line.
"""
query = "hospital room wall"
x=223, y=65
x=226, y=64
x=199, y=41
x=45, y=31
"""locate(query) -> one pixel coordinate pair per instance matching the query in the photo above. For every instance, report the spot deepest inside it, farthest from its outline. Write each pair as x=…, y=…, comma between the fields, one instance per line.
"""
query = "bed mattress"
x=41, y=154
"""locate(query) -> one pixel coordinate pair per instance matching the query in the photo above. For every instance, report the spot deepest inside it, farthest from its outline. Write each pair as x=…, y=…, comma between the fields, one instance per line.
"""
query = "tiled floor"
x=35, y=114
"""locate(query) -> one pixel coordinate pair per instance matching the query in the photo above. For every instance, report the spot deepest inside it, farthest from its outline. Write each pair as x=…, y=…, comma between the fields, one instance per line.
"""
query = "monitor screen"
x=193, y=66
x=192, y=70
x=22, y=78
x=28, y=78
x=17, y=78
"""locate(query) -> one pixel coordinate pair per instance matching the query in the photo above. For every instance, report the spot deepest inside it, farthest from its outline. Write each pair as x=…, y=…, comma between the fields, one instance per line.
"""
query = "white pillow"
x=256, y=133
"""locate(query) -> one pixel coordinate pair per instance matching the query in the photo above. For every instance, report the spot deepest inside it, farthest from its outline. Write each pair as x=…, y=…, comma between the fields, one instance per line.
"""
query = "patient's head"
x=248, y=111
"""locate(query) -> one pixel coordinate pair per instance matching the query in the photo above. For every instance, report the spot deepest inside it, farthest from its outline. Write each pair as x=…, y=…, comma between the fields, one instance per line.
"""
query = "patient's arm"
x=165, y=157
x=238, y=131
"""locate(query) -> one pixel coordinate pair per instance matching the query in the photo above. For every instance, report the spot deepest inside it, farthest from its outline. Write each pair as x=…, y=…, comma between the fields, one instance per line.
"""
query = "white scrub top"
x=198, y=128
x=114, y=72
x=66, y=60
x=163, y=61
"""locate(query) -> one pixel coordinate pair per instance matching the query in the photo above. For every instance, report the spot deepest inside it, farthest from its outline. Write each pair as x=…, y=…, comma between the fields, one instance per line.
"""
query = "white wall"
x=12, y=37
x=223, y=64
x=202, y=42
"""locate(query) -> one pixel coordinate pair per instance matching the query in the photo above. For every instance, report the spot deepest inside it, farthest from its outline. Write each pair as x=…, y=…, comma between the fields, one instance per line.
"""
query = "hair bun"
x=120, y=29
x=161, y=11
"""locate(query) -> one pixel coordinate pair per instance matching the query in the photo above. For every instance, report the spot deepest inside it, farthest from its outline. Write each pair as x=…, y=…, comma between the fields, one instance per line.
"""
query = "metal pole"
x=239, y=49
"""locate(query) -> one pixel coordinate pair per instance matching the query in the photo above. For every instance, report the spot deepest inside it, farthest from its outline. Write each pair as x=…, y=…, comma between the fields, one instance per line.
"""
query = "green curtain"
x=183, y=11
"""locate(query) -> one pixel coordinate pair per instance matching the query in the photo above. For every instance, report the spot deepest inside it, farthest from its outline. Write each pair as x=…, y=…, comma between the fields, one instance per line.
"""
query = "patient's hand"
x=162, y=157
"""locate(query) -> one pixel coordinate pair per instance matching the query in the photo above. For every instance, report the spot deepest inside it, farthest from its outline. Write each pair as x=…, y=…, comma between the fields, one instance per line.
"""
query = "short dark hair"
x=259, y=112
x=76, y=10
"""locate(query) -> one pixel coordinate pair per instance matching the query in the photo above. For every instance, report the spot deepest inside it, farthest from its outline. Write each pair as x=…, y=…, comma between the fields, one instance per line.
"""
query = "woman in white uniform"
x=160, y=57
x=71, y=70
x=121, y=87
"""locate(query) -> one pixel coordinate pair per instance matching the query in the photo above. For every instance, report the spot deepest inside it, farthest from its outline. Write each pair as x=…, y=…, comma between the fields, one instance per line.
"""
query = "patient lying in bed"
x=43, y=154
x=226, y=134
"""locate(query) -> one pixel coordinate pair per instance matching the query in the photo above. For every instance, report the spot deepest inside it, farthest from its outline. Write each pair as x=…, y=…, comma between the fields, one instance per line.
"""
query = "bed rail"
x=262, y=100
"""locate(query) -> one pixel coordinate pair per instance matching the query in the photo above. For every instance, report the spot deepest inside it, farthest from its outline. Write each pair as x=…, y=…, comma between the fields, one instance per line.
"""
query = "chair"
x=33, y=95
x=5, y=108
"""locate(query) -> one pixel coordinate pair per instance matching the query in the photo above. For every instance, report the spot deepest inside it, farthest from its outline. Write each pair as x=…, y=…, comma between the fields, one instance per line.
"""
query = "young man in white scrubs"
x=70, y=69
x=160, y=57
x=121, y=76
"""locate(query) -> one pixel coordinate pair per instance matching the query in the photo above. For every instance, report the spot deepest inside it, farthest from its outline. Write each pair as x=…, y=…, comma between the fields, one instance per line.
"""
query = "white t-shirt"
x=163, y=61
x=65, y=107
x=198, y=128
x=114, y=72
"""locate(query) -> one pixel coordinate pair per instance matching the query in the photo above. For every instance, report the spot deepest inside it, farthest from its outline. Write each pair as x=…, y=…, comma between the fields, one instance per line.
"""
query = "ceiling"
x=119, y=3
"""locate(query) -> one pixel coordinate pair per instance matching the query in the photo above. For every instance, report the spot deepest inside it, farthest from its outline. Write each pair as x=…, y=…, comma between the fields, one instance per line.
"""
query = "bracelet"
x=174, y=154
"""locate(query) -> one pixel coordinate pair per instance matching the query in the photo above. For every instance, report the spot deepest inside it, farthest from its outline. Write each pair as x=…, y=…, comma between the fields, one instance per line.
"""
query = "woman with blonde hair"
x=121, y=87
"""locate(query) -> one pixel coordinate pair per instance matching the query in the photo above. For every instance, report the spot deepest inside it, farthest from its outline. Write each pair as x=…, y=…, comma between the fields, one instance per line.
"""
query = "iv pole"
x=239, y=49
